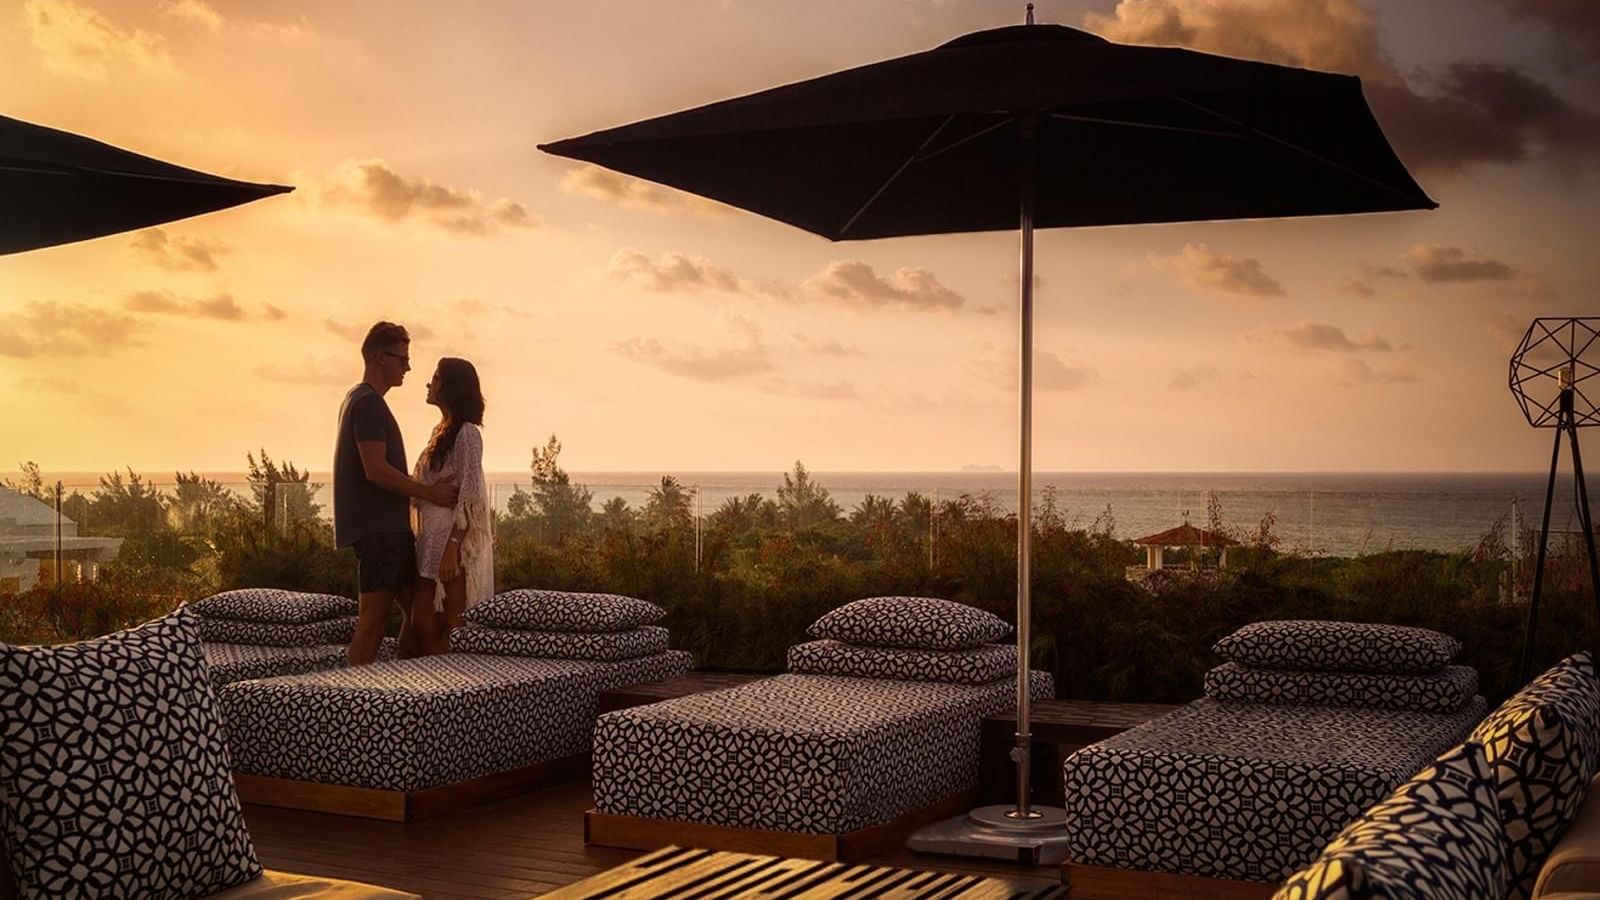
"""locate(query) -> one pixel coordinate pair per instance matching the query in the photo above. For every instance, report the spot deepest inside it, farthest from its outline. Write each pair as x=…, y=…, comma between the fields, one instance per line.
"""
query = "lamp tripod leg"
x=1585, y=518
x=1524, y=666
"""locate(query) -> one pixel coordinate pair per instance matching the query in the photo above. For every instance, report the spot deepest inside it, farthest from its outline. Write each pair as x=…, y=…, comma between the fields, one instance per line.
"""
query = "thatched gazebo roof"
x=1186, y=535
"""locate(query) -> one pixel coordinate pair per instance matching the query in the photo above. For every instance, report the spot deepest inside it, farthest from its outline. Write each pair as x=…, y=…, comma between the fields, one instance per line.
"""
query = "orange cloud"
x=856, y=284
x=78, y=41
x=1201, y=267
x=370, y=186
x=624, y=191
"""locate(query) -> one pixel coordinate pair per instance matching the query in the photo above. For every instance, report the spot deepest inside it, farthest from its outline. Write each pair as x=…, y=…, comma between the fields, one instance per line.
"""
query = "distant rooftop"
x=17, y=508
x=1186, y=535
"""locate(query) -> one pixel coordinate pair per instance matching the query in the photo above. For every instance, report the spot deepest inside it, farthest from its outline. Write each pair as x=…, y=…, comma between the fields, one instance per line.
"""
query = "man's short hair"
x=381, y=336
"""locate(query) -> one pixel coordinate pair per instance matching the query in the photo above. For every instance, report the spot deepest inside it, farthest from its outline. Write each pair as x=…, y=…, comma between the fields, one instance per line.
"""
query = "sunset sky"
x=654, y=331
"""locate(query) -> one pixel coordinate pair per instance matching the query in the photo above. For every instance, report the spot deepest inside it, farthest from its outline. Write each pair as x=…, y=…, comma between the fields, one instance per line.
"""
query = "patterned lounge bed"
x=1243, y=791
x=228, y=663
x=818, y=754
x=409, y=725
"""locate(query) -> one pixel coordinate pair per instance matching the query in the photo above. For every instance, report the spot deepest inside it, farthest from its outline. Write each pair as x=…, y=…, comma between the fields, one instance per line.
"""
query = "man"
x=371, y=511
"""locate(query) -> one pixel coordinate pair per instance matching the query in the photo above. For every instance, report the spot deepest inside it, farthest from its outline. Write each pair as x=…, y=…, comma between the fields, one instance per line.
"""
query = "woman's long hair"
x=461, y=400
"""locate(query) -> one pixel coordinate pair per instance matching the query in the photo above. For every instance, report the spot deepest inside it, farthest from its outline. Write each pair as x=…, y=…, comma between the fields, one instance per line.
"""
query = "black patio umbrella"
x=1022, y=127
x=57, y=187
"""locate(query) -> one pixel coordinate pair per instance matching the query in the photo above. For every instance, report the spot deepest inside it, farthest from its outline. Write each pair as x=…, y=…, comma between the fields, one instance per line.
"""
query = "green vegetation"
x=742, y=586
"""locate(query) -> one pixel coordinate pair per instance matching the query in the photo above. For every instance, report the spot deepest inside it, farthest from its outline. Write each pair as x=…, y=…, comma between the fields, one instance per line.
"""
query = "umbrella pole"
x=1024, y=736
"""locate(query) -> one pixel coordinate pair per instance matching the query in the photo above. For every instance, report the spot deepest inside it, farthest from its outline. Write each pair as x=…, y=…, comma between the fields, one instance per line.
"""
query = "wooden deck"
x=518, y=848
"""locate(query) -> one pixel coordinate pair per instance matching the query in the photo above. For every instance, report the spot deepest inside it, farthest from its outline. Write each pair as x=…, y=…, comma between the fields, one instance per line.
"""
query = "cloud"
x=54, y=329
x=1351, y=372
x=78, y=41
x=370, y=186
x=1208, y=270
x=51, y=384
x=1316, y=337
x=1436, y=263
x=1050, y=372
x=196, y=11
x=1193, y=377
x=624, y=191
x=815, y=390
x=315, y=372
x=273, y=313
x=1575, y=23
x=221, y=306
x=824, y=346
x=747, y=355
x=358, y=333
x=672, y=272
x=178, y=253
x=1469, y=112
x=1358, y=287
x=855, y=284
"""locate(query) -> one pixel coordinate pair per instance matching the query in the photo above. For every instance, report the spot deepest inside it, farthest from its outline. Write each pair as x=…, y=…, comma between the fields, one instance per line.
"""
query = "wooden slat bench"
x=682, y=686
x=677, y=871
x=1059, y=727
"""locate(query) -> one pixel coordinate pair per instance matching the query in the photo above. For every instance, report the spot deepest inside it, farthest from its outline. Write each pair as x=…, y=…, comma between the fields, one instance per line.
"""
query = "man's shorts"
x=388, y=561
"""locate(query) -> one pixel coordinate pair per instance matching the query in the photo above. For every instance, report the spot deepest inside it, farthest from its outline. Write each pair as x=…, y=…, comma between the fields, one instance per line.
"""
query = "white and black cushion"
x=818, y=754
x=412, y=724
x=1541, y=747
x=114, y=772
x=980, y=665
x=917, y=623
x=1338, y=647
x=228, y=663
x=273, y=605
x=277, y=634
x=1244, y=791
x=646, y=640
x=536, y=610
x=1442, y=691
x=1437, y=837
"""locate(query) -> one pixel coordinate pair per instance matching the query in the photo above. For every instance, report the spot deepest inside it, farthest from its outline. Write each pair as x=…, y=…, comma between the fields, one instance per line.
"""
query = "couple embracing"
x=447, y=563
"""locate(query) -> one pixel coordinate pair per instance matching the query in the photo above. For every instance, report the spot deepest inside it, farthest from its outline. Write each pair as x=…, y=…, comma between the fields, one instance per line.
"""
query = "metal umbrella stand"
x=1024, y=127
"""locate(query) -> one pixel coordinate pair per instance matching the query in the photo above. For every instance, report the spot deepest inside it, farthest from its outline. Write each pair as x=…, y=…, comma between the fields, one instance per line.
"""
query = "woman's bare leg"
x=424, y=622
x=455, y=602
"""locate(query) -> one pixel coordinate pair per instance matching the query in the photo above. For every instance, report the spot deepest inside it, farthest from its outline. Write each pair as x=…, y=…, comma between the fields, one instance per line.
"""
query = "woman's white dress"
x=434, y=524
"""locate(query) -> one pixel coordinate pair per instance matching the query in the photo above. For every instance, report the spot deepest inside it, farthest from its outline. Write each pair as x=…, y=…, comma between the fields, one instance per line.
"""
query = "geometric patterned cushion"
x=916, y=623
x=563, y=611
x=114, y=776
x=1442, y=691
x=980, y=665
x=1437, y=837
x=1541, y=747
x=647, y=640
x=1338, y=647
x=273, y=605
x=274, y=634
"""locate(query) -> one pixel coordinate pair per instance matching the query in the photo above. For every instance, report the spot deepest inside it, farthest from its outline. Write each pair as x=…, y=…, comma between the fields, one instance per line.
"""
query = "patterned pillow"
x=273, y=634
x=1442, y=691
x=1541, y=745
x=563, y=611
x=1338, y=647
x=979, y=665
x=646, y=640
x=273, y=605
x=114, y=773
x=916, y=623
x=1437, y=837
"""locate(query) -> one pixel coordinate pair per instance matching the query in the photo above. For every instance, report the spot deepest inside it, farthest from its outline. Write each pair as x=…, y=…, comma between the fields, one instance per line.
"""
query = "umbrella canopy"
x=930, y=143
x=1022, y=127
x=57, y=187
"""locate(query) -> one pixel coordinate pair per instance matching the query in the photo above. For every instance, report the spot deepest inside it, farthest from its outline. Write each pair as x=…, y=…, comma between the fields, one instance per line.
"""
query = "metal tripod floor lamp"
x=1549, y=371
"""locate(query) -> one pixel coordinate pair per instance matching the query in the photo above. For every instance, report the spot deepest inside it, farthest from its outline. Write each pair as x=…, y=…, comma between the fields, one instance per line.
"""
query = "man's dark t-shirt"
x=360, y=507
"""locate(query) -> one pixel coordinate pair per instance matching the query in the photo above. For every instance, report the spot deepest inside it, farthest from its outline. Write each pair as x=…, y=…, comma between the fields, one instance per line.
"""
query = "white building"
x=28, y=539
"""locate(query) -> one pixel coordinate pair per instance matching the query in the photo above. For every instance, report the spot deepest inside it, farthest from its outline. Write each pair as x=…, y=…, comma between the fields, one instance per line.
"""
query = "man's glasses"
x=400, y=356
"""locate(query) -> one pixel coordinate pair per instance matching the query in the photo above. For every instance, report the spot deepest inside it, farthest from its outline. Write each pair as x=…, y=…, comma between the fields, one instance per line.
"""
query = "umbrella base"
x=988, y=833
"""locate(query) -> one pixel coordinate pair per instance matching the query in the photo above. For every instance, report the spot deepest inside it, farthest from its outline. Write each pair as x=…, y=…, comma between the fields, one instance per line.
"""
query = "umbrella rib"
x=897, y=173
x=971, y=137
x=1096, y=120
x=1301, y=150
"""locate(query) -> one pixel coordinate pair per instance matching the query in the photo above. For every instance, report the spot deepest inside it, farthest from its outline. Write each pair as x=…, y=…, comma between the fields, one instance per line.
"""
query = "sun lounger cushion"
x=1441, y=691
x=818, y=754
x=646, y=640
x=1338, y=647
x=276, y=634
x=1541, y=747
x=563, y=611
x=418, y=723
x=273, y=605
x=113, y=769
x=1435, y=838
x=980, y=665
x=1243, y=791
x=228, y=663
x=918, y=623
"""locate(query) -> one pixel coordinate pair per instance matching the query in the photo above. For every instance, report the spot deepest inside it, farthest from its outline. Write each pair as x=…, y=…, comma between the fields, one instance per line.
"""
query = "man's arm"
x=375, y=463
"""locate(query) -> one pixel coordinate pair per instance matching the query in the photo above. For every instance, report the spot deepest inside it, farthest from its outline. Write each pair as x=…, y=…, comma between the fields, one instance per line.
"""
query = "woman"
x=455, y=559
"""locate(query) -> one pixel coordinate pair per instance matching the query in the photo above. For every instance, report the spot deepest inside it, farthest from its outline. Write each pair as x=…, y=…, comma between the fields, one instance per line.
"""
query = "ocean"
x=1337, y=514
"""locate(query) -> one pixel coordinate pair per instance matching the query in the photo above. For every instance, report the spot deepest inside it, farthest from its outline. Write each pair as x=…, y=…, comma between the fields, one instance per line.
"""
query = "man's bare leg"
x=371, y=619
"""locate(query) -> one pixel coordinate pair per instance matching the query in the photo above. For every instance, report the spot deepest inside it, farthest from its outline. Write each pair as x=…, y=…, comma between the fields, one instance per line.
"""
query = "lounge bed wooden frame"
x=1085, y=882
x=407, y=806
x=641, y=833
